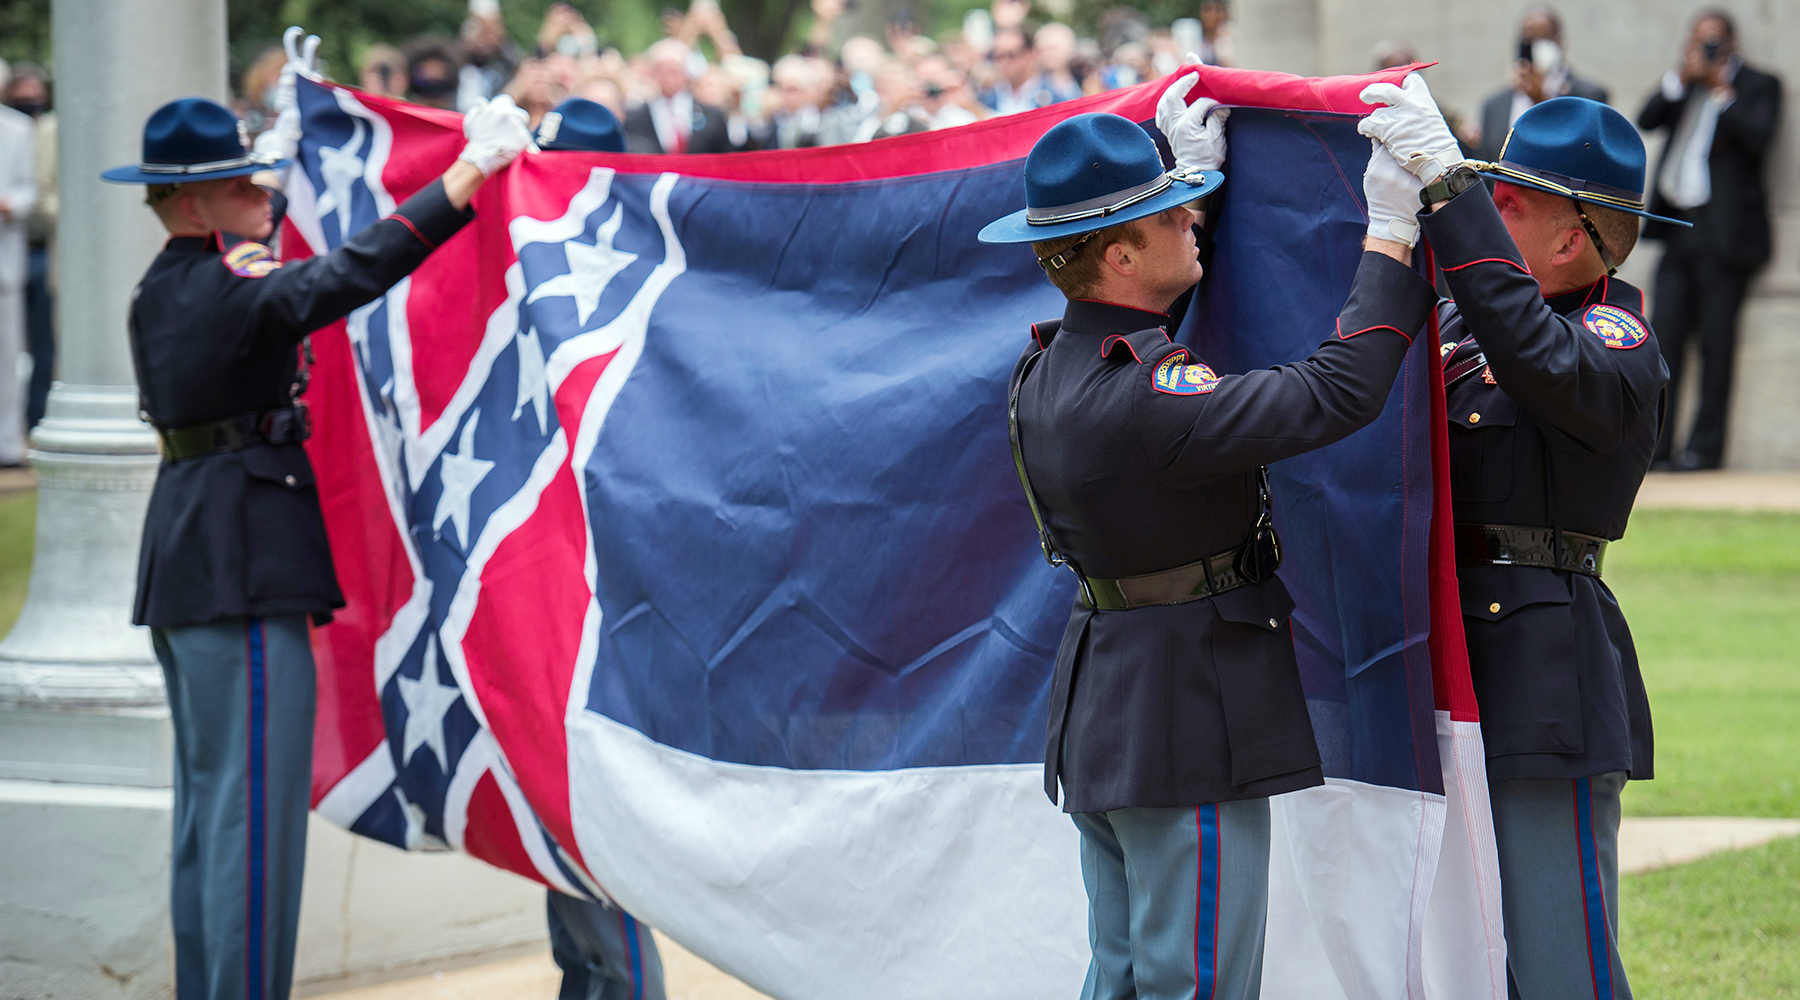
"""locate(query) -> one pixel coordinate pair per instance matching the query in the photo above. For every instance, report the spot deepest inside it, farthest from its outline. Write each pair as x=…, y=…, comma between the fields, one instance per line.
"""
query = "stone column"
x=84, y=736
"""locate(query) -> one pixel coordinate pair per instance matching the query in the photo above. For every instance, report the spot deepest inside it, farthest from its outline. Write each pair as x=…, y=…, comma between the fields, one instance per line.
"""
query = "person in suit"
x=18, y=195
x=1540, y=72
x=1176, y=708
x=1720, y=116
x=673, y=121
x=234, y=560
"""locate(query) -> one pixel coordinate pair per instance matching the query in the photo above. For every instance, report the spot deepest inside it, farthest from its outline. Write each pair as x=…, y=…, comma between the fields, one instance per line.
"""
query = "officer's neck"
x=1114, y=289
x=1570, y=277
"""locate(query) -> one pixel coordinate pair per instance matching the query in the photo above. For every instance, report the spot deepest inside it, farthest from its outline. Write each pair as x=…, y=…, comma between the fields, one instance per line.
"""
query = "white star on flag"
x=591, y=267
x=341, y=171
x=461, y=473
x=533, y=387
x=426, y=702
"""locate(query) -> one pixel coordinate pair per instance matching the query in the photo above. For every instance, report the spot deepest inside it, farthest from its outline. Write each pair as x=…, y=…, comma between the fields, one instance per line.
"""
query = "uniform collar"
x=1578, y=298
x=1094, y=316
x=193, y=244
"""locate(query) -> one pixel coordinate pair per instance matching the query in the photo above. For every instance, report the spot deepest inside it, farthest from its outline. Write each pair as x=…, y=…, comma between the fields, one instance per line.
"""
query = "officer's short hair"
x=1073, y=262
x=1618, y=229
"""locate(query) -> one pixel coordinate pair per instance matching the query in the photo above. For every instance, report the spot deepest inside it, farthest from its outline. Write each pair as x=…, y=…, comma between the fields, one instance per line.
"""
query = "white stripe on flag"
x=957, y=882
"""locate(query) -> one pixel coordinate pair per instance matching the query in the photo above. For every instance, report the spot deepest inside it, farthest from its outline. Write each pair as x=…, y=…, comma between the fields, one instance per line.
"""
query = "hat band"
x=177, y=169
x=1099, y=207
x=1603, y=194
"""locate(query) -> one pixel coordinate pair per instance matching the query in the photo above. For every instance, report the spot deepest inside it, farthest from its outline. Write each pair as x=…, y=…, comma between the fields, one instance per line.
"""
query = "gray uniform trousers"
x=604, y=953
x=241, y=701
x=1177, y=901
x=1559, y=886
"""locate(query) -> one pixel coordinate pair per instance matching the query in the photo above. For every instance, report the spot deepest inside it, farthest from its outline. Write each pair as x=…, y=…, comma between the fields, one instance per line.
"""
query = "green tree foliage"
x=25, y=31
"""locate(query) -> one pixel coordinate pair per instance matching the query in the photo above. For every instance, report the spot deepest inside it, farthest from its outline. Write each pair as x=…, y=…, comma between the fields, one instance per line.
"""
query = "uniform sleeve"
x=1559, y=370
x=1197, y=428
x=299, y=297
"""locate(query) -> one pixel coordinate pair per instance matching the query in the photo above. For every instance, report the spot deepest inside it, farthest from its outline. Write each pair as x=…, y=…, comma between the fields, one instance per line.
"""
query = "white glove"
x=1393, y=196
x=282, y=140
x=1412, y=127
x=498, y=131
x=1196, y=132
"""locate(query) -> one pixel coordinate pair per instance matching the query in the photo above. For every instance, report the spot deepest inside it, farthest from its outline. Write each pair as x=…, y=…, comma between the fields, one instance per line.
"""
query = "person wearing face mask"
x=433, y=74
x=234, y=560
x=1540, y=71
x=29, y=94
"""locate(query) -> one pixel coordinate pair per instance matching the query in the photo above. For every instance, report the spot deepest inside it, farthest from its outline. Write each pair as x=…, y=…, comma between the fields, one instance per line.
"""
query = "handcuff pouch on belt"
x=1250, y=563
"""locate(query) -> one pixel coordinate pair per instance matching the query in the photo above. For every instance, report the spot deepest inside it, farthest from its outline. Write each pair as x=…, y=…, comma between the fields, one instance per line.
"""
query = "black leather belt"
x=1204, y=578
x=280, y=426
x=1511, y=545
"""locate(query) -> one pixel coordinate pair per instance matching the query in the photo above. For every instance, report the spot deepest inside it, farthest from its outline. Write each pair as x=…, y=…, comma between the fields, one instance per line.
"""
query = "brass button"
x=1274, y=624
x=289, y=480
x=1474, y=418
x=1494, y=609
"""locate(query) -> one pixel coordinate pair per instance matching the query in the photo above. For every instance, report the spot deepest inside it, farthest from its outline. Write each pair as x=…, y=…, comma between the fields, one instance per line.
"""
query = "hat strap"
x=179, y=169
x=1594, y=234
x=1102, y=206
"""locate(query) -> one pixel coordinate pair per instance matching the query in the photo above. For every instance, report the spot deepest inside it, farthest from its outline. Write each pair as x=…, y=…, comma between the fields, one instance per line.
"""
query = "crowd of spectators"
x=696, y=91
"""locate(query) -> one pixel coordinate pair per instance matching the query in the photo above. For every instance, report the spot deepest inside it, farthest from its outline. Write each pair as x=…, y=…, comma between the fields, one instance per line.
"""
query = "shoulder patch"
x=1178, y=379
x=250, y=260
x=1615, y=327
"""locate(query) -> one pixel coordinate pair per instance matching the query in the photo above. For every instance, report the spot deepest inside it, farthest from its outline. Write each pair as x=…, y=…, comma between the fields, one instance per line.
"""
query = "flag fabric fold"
x=687, y=568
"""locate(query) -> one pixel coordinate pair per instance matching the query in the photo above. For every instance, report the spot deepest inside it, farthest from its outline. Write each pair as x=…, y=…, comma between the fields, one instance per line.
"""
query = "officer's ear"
x=1122, y=258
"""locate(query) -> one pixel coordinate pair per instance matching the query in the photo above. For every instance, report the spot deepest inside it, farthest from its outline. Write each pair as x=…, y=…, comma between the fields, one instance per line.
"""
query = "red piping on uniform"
x=403, y=220
x=1491, y=260
x=1034, y=336
x=1346, y=336
x=1107, y=344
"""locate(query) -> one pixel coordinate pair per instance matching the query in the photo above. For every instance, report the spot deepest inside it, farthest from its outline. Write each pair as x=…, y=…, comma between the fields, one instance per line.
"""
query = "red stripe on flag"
x=1450, y=680
x=978, y=145
x=492, y=835
x=368, y=552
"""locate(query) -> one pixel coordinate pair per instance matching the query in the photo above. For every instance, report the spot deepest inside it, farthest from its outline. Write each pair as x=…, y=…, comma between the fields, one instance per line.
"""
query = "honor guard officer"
x=1176, y=708
x=234, y=557
x=604, y=953
x=1555, y=389
x=580, y=125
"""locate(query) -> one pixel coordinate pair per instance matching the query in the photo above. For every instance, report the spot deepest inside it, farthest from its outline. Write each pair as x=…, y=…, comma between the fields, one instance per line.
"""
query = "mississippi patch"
x=1178, y=379
x=1615, y=327
x=250, y=260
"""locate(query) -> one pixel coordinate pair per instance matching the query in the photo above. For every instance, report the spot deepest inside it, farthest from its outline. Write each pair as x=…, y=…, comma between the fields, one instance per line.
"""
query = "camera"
x=1711, y=50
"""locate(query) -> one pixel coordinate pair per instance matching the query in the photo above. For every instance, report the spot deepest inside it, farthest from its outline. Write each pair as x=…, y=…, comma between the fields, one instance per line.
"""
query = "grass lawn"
x=18, y=521
x=1714, y=605
x=1722, y=928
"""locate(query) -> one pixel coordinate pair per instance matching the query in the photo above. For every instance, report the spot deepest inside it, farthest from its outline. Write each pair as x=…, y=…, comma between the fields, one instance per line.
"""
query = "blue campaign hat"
x=1577, y=148
x=580, y=124
x=1093, y=171
x=193, y=139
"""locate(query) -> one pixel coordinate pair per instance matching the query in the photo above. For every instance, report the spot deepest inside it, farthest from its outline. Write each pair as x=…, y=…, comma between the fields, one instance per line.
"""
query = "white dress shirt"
x=674, y=120
x=1686, y=179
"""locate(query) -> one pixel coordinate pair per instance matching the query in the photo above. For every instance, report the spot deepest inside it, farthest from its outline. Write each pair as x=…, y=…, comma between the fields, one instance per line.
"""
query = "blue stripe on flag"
x=1593, y=895
x=1206, y=916
x=253, y=931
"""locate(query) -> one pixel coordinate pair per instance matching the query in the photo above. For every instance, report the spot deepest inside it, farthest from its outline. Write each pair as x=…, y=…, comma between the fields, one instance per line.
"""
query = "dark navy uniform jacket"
x=1556, y=431
x=1183, y=704
x=239, y=533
